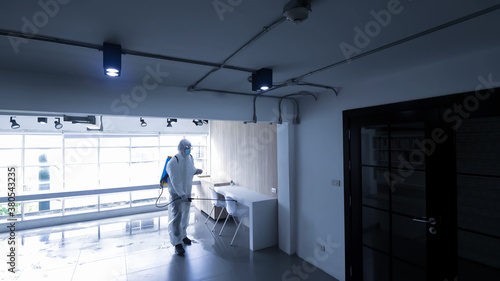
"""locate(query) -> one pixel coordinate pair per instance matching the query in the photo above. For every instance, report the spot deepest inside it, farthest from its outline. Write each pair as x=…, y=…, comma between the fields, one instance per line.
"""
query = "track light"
x=57, y=124
x=198, y=122
x=14, y=125
x=42, y=120
x=262, y=79
x=112, y=59
x=170, y=121
x=143, y=123
x=205, y=121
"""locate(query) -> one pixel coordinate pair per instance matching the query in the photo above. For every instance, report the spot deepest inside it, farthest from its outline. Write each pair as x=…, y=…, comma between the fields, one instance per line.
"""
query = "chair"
x=234, y=211
x=217, y=202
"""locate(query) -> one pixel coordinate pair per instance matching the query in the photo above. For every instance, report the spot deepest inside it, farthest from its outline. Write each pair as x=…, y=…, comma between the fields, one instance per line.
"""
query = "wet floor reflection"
x=138, y=248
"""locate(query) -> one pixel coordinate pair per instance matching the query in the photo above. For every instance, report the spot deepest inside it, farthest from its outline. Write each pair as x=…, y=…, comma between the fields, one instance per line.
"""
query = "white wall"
x=320, y=208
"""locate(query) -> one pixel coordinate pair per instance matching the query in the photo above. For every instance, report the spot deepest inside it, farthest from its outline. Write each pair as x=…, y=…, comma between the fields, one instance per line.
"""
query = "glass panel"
x=144, y=197
x=114, y=155
x=469, y=270
x=10, y=157
x=376, y=229
x=409, y=196
x=406, y=272
x=80, y=155
x=480, y=159
x=409, y=240
x=19, y=181
x=43, y=157
x=42, y=209
x=197, y=140
x=80, y=205
x=115, y=201
x=81, y=177
x=168, y=151
x=478, y=204
x=144, y=141
x=408, y=146
x=199, y=152
x=115, y=142
x=83, y=142
x=375, y=146
x=43, y=141
x=376, y=266
x=145, y=154
x=144, y=173
x=479, y=248
x=43, y=178
x=11, y=141
x=5, y=211
x=115, y=175
x=375, y=187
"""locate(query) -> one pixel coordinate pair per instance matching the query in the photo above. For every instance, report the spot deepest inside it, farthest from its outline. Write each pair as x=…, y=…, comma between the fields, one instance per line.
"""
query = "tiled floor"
x=137, y=248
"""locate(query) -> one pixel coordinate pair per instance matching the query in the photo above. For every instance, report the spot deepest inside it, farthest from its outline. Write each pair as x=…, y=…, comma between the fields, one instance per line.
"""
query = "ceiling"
x=195, y=30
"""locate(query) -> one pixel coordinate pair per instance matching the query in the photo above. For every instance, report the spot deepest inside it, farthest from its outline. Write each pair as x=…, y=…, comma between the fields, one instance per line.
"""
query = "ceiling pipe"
x=404, y=40
x=253, y=39
x=55, y=40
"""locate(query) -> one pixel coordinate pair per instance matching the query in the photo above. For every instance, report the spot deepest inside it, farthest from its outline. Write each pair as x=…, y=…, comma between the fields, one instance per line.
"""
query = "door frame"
x=452, y=109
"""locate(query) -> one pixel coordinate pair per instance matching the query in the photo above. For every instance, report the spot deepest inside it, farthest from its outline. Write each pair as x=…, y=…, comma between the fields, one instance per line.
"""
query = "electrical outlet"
x=273, y=190
x=335, y=182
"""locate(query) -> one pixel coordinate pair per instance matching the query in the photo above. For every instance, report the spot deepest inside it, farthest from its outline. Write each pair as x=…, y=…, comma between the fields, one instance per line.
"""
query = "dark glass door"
x=400, y=217
x=423, y=190
x=478, y=183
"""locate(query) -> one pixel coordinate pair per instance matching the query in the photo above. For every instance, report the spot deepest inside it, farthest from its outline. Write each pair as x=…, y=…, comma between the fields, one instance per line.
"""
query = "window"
x=73, y=162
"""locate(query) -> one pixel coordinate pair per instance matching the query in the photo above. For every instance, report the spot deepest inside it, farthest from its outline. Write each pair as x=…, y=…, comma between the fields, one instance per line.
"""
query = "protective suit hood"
x=183, y=144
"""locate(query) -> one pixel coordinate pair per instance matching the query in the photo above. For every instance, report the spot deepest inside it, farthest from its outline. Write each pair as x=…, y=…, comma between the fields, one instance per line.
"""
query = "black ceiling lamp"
x=112, y=59
x=262, y=79
x=42, y=120
x=143, y=123
x=14, y=124
x=170, y=121
x=198, y=122
x=57, y=124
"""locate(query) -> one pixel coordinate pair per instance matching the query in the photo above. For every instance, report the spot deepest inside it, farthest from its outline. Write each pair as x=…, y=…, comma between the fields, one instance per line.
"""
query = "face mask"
x=187, y=151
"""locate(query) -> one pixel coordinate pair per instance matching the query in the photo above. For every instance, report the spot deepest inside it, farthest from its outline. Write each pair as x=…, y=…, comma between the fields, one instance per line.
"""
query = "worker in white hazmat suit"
x=181, y=170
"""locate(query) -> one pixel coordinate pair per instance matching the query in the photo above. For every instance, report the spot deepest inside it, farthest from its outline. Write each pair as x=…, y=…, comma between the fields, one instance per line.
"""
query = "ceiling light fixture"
x=112, y=59
x=143, y=123
x=170, y=121
x=297, y=11
x=262, y=79
x=57, y=124
x=14, y=125
x=42, y=120
x=198, y=122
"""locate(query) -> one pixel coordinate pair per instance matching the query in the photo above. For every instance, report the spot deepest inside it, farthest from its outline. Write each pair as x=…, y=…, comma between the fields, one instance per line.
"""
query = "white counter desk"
x=263, y=215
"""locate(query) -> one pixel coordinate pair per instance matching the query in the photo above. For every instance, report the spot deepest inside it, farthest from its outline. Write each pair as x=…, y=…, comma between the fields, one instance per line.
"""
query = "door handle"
x=431, y=221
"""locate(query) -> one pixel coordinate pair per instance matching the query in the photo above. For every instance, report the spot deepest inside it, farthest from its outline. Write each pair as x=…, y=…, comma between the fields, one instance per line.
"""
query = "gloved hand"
x=184, y=198
x=198, y=172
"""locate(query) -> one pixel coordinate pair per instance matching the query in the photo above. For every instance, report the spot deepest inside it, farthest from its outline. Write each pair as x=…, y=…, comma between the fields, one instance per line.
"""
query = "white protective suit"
x=181, y=171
